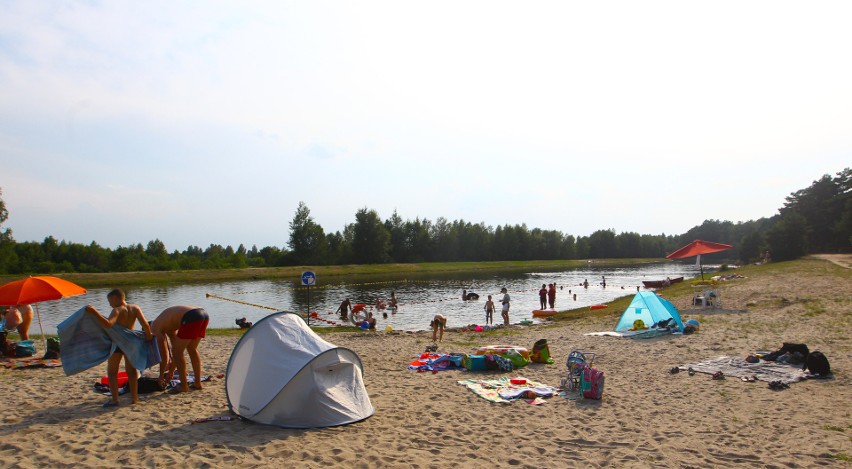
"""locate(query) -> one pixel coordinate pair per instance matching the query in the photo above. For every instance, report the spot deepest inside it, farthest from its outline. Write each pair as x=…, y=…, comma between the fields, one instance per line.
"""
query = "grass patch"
x=226, y=332
x=813, y=308
x=839, y=456
x=834, y=428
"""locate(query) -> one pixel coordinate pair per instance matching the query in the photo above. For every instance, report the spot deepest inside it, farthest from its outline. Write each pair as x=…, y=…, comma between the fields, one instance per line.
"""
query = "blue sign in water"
x=309, y=278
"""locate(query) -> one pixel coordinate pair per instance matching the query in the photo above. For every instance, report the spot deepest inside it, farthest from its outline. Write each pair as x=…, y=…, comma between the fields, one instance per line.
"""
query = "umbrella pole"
x=41, y=328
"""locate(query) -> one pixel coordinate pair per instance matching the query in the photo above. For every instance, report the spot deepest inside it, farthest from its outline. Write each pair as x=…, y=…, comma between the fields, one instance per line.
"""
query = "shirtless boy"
x=184, y=326
x=125, y=315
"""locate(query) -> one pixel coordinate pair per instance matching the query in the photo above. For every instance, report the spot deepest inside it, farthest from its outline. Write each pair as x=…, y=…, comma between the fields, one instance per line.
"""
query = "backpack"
x=52, y=349
x=25, y=348
x=817, y=364
x=148, y=385
x=592, y=383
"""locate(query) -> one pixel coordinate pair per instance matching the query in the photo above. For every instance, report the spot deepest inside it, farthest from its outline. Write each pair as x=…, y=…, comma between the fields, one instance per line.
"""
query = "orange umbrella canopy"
x=698, y=247
x=34, y=289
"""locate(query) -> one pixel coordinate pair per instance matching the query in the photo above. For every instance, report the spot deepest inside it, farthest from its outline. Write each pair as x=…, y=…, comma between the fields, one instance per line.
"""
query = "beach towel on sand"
x=739, y=368
x=86, y=344
x=494, y=390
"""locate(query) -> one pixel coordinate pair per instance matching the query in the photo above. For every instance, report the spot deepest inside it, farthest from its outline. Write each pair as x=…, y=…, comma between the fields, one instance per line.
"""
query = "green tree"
x=788, y=237
x=8, y=257
x=370, y=238
x=751, y=247
x=307, y=243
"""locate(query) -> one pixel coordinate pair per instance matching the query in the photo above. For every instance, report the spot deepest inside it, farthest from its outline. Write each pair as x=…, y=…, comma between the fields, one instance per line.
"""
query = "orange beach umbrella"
x=697, y=248
x=35, y=289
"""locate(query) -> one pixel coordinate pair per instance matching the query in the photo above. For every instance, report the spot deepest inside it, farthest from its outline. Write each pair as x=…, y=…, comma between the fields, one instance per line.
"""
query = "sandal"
x=691, y=371
x=718, y=375
x=674, y=370
x=778, y=385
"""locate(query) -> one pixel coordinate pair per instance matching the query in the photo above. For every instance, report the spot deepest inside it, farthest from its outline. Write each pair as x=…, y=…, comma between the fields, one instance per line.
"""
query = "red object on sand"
x=122, y=379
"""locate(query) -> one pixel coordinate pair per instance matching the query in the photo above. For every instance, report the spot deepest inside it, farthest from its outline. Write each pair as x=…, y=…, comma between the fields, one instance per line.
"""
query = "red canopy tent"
x=697, y=248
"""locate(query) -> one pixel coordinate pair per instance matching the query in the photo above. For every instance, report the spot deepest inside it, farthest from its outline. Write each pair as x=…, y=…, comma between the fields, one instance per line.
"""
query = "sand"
x=647, y=418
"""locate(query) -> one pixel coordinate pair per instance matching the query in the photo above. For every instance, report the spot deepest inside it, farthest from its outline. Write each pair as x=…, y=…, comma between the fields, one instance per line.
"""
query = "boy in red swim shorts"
x=184, y=326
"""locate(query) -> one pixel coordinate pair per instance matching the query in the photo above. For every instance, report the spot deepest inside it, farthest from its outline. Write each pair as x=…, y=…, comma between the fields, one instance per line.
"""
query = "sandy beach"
x=648, y=417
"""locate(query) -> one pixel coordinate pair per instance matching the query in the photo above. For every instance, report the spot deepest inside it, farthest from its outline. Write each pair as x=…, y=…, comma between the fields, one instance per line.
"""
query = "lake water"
x=419, y=299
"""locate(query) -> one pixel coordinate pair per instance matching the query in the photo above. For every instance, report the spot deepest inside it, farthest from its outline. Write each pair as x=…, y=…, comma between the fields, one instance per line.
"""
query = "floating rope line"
x=313, y=315
x=210, y=295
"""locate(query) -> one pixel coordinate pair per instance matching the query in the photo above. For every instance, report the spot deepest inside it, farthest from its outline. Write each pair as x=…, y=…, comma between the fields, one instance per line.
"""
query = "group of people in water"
x=347, y=310
x=178, y=329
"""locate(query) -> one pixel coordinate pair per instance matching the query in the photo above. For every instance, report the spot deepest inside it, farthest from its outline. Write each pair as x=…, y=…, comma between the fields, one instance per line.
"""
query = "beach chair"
x=577, y=360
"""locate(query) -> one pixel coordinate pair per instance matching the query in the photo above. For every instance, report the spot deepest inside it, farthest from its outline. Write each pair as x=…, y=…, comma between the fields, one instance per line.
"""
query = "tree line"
x=814, y=219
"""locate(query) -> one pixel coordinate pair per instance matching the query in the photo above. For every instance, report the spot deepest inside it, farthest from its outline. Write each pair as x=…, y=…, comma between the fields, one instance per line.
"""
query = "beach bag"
x=592, y=383
x=148, y=385
x=25, y=348
x=541, y=352
x=817, y=364
x=52, y=349
x=474, y=362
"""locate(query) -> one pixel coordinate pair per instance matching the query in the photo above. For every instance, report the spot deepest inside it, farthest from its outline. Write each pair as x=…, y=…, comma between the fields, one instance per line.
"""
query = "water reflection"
x=419, y=298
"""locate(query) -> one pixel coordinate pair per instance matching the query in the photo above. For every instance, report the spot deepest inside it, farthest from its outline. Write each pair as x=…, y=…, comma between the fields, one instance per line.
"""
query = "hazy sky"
x=207, y=122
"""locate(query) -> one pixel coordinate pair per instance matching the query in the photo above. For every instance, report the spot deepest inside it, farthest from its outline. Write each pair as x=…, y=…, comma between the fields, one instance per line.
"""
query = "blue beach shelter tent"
x=651, y=309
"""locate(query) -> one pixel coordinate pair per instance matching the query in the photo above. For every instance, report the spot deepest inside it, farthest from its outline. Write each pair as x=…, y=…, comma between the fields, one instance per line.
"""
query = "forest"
x=816, y=219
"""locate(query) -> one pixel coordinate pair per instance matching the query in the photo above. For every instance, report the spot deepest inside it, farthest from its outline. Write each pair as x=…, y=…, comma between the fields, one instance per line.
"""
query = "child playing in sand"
x=125, y=315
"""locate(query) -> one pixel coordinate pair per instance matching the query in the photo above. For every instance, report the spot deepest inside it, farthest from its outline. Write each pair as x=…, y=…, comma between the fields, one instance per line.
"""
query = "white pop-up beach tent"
x=282, y=373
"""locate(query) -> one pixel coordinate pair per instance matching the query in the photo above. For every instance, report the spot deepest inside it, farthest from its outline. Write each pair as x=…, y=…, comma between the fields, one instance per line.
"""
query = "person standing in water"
x=505, y=303
x=542, y=296
x=489, y=311
x=551, y=295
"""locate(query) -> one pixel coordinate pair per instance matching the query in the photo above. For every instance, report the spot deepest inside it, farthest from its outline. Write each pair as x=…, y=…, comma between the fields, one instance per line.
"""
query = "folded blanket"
x=86, y=344
x=739, y=368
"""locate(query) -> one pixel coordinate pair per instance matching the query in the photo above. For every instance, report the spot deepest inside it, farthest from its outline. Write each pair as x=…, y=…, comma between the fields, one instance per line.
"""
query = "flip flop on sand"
x=718, y=375
x=674, y=370
x=691, y=371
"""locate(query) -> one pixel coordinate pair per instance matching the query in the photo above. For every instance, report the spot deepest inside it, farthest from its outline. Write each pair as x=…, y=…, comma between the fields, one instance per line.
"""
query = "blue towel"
x=86, y=344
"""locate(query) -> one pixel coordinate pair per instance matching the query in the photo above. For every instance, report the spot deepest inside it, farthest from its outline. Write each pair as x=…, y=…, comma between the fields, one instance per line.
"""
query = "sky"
x=207, y=122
